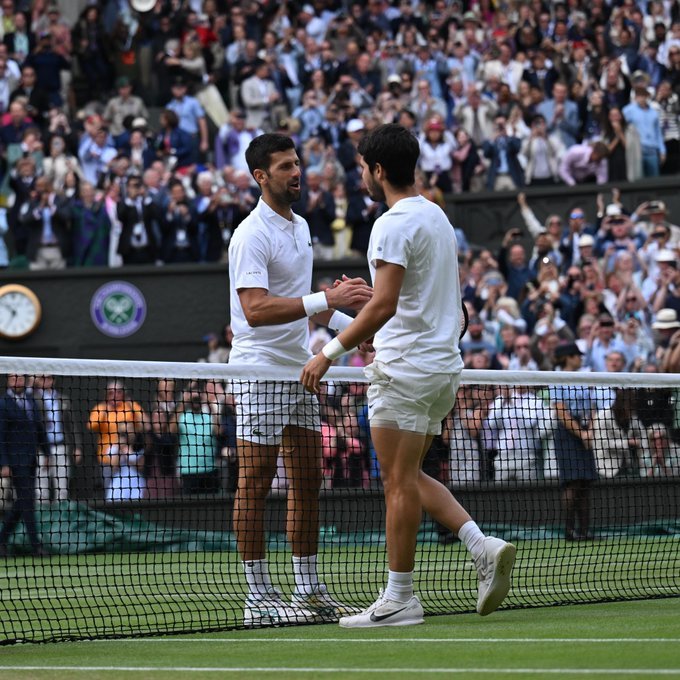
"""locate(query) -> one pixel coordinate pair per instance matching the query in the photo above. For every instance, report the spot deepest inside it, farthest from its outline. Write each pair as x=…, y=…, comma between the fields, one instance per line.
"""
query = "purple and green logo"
x=118, y=309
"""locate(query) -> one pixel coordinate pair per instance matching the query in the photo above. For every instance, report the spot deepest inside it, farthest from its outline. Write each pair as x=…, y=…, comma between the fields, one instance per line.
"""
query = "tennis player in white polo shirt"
x=270, y=279
x=416, y=317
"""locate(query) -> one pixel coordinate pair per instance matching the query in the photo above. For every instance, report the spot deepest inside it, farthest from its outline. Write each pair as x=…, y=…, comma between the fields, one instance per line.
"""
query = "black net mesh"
x=118, y=495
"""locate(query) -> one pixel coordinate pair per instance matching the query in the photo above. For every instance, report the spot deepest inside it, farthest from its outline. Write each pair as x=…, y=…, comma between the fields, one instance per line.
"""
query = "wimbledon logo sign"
x=118, y=309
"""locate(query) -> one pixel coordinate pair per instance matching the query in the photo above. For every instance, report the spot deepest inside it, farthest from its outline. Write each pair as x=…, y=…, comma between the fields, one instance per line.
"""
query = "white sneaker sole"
x=500, y=584
x=367, y=623
x=250, y=621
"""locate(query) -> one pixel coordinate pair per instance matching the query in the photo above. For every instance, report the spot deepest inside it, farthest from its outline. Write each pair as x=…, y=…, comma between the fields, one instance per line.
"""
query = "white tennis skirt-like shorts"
x=413, y=400
x=264, y=409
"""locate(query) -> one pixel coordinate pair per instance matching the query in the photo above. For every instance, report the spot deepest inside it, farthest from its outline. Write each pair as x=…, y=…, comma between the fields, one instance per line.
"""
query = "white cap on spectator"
x=613, y=210
x=308, y=9
x=394, y=78
x=355, y=125
x=665, y=255
x=143, y=5
x=586, y=240
x=666, y=318
x=139, y=122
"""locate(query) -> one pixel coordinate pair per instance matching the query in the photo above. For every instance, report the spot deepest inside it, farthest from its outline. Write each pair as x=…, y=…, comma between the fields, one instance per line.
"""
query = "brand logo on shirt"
x=118, y=309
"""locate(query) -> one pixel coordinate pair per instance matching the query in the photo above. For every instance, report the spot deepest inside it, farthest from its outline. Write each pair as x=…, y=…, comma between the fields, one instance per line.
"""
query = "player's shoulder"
x=415, y=214
x=250, y=230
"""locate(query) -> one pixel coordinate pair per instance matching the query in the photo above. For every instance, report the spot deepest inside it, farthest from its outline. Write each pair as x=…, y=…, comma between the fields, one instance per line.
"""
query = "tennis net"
x=119, y=480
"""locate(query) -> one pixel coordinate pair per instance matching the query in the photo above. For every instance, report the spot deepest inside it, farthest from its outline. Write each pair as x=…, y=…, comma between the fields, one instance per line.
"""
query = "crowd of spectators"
x=123, y=133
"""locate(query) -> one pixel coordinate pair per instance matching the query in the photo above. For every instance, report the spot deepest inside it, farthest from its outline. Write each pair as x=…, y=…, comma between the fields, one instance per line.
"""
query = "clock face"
x=19, y=311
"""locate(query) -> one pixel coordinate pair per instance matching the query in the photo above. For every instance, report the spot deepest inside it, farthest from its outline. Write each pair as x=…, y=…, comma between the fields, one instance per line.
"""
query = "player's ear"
x=260, y=176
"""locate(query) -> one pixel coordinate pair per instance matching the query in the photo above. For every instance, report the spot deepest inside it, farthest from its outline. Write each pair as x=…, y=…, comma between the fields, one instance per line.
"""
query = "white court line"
x=232, y=640
x=410, y=671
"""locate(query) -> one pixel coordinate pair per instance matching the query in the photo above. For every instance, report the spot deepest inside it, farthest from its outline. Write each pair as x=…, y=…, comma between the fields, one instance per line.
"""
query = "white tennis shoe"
x=494, y=566
x=384, y=612
x=271, y=610
x=322, y=605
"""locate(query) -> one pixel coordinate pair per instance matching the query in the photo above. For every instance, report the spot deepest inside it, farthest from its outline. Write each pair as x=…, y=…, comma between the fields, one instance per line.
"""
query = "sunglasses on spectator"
x=631, y=299
x=659, y=234
x=576, y=216
x=521, y=346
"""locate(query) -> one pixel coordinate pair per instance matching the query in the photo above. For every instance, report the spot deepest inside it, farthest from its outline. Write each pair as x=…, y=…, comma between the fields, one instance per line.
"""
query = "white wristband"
x=314, y=303
x=339, y=321
x=333, y=350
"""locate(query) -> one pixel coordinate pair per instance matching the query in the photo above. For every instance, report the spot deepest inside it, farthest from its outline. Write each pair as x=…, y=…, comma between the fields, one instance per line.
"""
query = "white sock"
x=399, y=586
x=306, y=578
x=257, y=577
x=473, y=538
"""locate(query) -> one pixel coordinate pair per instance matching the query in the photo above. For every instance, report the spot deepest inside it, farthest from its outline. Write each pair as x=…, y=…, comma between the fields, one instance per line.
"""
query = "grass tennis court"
x=638, y=639
x=117, y=594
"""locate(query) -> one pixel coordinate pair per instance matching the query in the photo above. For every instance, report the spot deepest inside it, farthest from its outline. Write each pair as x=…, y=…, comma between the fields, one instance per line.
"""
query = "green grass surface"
x=639, y=639
x=120, y=594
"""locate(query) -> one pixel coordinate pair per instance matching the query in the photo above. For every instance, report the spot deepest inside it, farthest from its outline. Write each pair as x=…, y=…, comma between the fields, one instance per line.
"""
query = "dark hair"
x=397, y=151
x=260, y=150
x=171, y=118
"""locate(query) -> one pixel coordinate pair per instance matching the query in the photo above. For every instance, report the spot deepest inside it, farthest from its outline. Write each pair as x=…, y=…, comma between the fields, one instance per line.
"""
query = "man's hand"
x=350, y=293
x=314, y=370
x=5, y=471
x=367, y=346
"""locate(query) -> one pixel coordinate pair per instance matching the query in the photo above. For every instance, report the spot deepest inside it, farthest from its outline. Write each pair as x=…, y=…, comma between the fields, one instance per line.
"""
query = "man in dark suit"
x=22, y=433
x=318, y=208
x=38, y=98
x=21, y=41
x=47, y=224
x=138, y=241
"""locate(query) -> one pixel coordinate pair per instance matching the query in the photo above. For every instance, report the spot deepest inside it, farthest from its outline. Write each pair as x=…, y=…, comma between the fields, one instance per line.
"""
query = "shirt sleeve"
x=250, y=257
x=390, y=243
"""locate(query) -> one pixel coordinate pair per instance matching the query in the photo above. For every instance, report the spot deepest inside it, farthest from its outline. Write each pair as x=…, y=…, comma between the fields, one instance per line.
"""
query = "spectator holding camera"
x=543, y=153
x=179, y=237
x=603, y=340
x=505, y=171
x=512, y=263
x=213, y=231
x=650, y=215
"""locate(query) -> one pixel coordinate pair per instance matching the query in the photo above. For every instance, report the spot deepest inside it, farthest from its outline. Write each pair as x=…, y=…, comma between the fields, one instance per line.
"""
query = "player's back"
x=416, y=234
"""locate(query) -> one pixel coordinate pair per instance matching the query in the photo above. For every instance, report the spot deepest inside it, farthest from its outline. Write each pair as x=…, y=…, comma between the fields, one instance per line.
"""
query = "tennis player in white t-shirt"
x=416, y=316
x=270, y=279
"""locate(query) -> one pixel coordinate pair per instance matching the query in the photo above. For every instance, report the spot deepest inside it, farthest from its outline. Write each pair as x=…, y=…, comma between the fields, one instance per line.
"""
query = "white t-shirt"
x=267, y=251
x=416, y=234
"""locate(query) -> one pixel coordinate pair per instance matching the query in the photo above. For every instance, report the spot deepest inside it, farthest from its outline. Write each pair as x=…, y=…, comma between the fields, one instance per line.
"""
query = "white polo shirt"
x=267, y=251
x=416, y=234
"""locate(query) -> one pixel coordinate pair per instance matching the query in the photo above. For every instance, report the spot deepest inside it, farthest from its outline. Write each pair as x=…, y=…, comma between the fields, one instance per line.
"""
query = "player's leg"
x=264, y=605
x=398, y=453
x=301, y=450
x=257, y=467
x=493, y=557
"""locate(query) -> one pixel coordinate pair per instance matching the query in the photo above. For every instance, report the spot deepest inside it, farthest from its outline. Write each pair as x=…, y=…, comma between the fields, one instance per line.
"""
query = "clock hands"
x=11, y=309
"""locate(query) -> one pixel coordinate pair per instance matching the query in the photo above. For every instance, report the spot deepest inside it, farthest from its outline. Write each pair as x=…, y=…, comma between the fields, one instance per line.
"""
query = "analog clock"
x=20, y=312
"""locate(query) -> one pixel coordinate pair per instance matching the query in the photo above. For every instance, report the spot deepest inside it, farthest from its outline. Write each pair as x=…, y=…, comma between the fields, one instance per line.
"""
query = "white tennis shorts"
x=264, y=409
x=413, y=400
